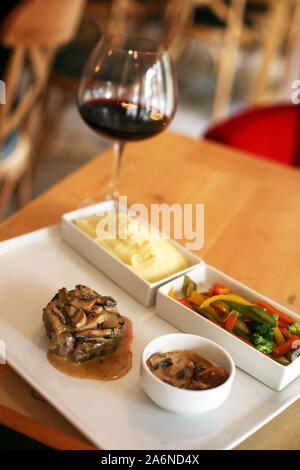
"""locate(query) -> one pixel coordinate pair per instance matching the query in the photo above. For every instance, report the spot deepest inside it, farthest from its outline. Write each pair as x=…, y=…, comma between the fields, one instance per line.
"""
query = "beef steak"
x=82, y=324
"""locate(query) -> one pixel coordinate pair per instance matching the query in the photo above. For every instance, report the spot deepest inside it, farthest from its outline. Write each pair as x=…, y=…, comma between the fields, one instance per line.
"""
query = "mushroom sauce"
x=186, y=369
x=107, y=367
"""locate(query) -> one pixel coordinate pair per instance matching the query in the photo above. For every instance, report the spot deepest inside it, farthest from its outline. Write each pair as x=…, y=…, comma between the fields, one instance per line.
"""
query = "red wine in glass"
x=127, y=92
x=121, y=119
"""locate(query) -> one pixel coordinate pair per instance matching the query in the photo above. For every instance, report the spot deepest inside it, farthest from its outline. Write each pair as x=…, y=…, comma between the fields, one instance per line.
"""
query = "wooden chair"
x=33, y=31
x=63, y=82
x=273, y=36
x=221, y=42
x=123, y=16
x=242, y=30
x=292, y=53
x=100, y=17
x=281, y=38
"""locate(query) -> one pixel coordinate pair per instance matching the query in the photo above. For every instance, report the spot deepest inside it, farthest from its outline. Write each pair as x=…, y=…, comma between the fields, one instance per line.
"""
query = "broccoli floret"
x=266, y=331
x=262, y=344
x=294, y=328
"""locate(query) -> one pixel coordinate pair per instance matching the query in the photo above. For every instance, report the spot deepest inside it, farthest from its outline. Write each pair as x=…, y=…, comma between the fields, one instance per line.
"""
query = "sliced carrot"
x=231, y=321
x=289, y=335
x=282, y=324
x=285, y=333
x=219, y=289
x=282, y=316
x=283, y=348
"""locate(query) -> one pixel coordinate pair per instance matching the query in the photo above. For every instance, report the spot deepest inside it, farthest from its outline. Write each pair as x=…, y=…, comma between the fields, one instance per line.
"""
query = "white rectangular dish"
x=33, y=267
x=246, y=357
x=114, y=268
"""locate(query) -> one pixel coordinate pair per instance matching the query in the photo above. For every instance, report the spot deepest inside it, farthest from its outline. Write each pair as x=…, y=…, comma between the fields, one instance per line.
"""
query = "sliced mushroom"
x=93, y=321
x=52, y=321
x=156, y=360
x=84, y=292
x=79, y=320
x=113, y=321
x=106, y=300
x=95, y=334
x=100, y=300
x=96, y=309
x=71, y=311
x=109, y=301
x=81, y=303
x=111, y=309
x=59, y=314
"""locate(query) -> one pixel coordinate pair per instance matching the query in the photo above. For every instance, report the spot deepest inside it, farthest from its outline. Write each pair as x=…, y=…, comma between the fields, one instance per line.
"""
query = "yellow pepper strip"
x=197, y=298
x=171, y=293
x=232, y=297
x=279, y=338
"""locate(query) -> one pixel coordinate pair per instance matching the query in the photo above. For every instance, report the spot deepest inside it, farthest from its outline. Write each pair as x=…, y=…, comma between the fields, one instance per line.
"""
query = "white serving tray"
x=113, y=267
x=118, y=414
x=246, y=357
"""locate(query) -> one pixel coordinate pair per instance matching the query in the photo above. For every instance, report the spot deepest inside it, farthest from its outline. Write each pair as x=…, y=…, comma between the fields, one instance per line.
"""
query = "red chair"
x=271, y=132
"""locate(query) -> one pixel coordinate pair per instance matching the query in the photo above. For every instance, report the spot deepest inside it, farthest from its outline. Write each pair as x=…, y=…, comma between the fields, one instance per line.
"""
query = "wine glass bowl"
x=127, y=92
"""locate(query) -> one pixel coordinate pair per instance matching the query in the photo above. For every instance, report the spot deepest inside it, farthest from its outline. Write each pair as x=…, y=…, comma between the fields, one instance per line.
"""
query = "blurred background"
x=236, y=62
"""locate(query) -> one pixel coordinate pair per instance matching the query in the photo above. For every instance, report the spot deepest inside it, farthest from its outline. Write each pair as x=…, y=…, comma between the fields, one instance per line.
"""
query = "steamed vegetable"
x=279, y=338
x=266, y=331
x=289, y=335
x=171, y=293
x=261, y=326
x=227, y=297
x=254, y=312
x=231, y=321
x=262, y=344
x=283, y=348
x=242, y=329
x=189, y=286
x=282, y=316
x=197, y=298
x=294, y=328
x=218, y=289
x=207, y=314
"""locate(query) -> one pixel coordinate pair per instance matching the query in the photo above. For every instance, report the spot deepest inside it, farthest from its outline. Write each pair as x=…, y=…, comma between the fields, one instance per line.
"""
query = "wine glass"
x=127, y=92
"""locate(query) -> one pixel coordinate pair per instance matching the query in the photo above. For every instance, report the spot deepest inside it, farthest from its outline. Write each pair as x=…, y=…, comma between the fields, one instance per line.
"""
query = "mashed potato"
x=132, y=242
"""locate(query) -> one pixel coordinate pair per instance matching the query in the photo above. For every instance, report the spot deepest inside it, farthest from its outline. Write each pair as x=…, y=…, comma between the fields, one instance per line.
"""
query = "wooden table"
x=252, y=232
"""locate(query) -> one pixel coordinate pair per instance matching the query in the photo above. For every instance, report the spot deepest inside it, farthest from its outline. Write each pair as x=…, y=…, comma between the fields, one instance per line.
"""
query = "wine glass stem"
x=114, y=183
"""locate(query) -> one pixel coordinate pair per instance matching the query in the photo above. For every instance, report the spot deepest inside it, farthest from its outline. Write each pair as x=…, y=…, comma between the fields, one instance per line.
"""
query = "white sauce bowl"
x=179, y=400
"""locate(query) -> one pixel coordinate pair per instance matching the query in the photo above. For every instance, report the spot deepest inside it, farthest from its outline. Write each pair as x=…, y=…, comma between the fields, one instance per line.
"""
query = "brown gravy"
x=110, y=367
x=186, y=369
